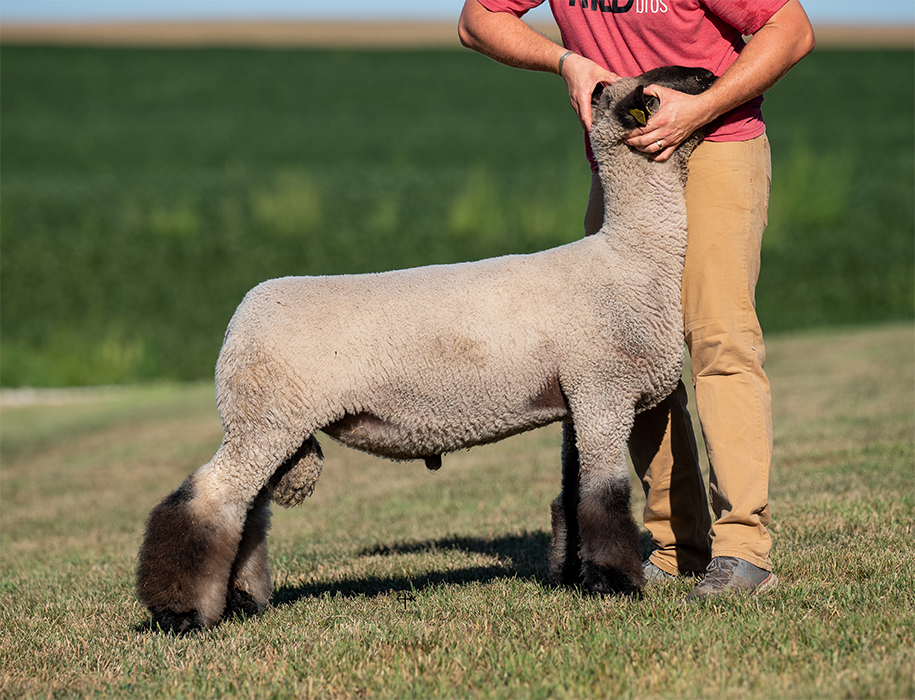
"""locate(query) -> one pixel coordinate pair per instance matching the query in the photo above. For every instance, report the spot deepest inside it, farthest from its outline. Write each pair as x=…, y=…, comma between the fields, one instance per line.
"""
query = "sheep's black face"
x=636, y=108
x=692, y=81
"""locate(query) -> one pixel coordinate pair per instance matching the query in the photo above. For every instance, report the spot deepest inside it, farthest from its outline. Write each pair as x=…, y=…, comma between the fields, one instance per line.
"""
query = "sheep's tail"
x=295, y=480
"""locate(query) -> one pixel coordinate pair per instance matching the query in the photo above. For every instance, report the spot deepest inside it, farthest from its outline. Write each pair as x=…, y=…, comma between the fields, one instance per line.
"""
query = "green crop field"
x=395, y=582
x=143, y=192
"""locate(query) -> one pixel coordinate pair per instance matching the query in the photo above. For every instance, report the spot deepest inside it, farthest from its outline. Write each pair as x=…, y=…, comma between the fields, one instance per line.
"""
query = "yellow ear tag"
x=639, y=116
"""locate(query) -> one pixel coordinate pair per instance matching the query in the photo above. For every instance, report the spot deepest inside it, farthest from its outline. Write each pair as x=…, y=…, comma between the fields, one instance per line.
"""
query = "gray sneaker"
x=732, y=575
x=653, y=574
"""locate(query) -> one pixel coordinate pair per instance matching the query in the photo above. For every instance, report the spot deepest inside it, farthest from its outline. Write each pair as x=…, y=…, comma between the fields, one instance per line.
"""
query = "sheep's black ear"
x=595, y=96
x=636, y=108
x=639, y=110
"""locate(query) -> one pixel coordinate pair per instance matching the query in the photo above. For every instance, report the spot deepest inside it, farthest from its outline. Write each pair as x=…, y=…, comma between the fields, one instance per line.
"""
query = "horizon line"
x=346, y=33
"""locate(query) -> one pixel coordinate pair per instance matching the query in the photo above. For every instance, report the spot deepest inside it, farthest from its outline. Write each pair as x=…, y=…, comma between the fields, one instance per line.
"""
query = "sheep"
x=416, y=363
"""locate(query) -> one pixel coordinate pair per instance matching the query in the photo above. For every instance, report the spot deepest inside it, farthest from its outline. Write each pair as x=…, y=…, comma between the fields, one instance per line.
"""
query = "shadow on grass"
x=522, y=556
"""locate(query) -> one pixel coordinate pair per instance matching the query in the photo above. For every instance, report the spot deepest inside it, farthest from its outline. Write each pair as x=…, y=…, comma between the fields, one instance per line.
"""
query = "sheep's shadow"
x=520, y=556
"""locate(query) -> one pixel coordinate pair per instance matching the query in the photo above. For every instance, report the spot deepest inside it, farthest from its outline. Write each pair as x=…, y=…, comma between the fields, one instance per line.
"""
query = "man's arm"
x=509, y=40
x=779, y=44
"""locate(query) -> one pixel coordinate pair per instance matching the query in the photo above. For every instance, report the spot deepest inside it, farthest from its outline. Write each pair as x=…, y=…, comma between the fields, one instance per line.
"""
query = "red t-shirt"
x=630, y=37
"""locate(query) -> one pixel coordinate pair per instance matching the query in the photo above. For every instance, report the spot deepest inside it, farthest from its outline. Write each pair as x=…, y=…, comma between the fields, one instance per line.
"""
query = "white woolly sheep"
x=415, y=363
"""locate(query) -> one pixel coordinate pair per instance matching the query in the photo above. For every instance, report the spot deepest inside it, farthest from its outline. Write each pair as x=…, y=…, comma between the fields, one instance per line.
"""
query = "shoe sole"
x=767, y=586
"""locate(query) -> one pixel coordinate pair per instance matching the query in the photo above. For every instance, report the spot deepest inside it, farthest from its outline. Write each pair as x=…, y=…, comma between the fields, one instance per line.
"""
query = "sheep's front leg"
x=610, y=558
x=564, y=562
x=609, y=537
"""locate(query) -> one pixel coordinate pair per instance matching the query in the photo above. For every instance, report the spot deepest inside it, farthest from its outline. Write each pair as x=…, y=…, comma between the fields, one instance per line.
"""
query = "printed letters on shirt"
x=622, y=6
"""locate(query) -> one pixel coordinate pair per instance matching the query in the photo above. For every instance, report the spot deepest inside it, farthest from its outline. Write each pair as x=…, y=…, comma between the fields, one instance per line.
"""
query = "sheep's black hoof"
x=177, y=623
x=241, y=604
x=564, y=572
x=605, y=580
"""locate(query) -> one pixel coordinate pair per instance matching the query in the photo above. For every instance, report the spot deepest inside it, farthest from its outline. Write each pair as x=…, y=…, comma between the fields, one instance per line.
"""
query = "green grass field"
x=396, y=582
x=143, y=192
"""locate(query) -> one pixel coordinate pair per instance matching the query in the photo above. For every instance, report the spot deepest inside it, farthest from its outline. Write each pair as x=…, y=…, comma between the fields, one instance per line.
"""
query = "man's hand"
x=678, y=117
x=780, y=43
x=582, y=76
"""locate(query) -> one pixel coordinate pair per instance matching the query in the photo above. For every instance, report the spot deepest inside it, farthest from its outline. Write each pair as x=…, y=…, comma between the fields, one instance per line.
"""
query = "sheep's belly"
x=418, y=437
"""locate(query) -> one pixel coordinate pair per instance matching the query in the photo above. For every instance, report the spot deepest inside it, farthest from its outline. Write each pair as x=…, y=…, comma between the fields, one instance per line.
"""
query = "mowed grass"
x=395, y=582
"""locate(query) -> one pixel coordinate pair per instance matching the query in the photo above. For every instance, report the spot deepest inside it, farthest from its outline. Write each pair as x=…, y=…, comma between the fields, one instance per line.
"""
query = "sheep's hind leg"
x=250, y=584
x=610, y=555
x=295, y=480
x=206, y=540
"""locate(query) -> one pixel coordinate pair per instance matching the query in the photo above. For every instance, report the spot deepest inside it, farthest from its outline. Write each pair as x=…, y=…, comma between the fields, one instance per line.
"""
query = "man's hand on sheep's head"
x=676, y=116
x=583, y=76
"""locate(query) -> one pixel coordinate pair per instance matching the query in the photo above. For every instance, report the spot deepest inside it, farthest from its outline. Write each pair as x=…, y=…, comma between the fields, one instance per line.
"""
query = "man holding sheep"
x=727, y=199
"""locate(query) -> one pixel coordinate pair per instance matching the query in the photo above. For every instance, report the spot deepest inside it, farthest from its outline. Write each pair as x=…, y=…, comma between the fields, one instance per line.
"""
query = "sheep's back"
x=482, y=345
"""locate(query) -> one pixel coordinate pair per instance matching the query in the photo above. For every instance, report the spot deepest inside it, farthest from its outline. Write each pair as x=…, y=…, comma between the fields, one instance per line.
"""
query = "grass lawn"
x=394, y=582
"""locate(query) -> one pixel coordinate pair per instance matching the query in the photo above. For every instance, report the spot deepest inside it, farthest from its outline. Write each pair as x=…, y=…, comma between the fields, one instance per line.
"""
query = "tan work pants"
x=727, y=196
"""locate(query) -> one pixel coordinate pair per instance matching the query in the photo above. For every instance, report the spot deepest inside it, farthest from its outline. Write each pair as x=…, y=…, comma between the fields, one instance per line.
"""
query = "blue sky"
x=820, y=11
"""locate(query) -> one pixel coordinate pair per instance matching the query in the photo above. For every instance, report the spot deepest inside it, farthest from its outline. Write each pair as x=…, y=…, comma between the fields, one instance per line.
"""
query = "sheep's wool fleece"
x=423, y=361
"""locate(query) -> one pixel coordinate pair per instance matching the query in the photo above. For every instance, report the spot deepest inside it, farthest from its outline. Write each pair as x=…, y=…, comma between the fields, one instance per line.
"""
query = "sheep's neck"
x=645, y=210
